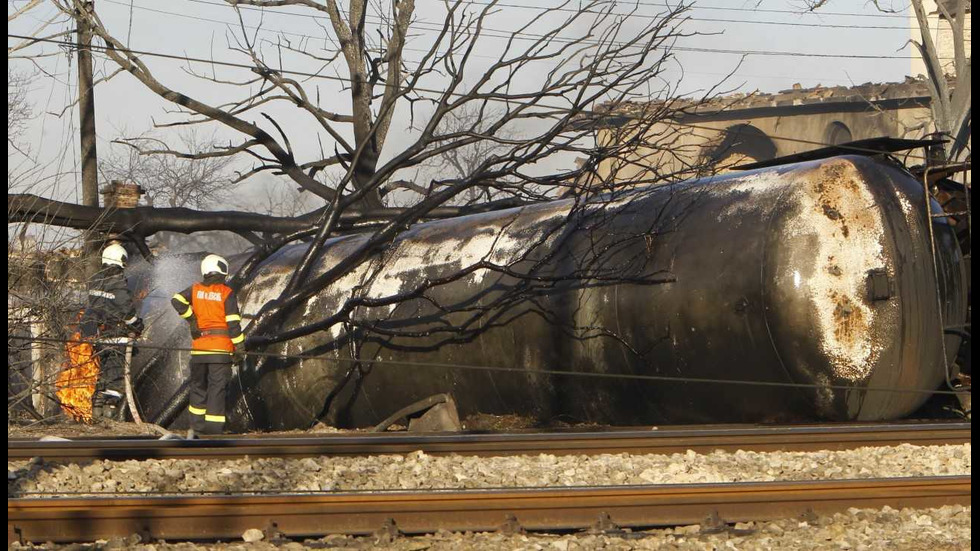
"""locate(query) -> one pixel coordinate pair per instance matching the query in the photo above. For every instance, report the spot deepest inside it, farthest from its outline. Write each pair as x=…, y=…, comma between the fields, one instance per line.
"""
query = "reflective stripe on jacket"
x=212, y=311
x=110, y=311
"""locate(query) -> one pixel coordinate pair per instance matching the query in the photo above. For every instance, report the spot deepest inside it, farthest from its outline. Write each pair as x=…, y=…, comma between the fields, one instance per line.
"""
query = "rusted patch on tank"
x=838, y=210
x=849, y=322
x=836, y=188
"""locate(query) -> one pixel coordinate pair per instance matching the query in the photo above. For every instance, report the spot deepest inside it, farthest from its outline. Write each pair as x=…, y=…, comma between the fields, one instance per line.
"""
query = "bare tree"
x=206, y=183
x=279, y=198
x=42, y=290
x=546, y=78
x=951, y=104
x=19, y=110
x=43, y=302
x=456, y=163
x=174, y=181
x=949, y=84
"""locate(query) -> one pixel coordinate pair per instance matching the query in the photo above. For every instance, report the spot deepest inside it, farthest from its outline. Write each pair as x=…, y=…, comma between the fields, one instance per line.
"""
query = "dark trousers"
x=109, y=398
x=208, y=390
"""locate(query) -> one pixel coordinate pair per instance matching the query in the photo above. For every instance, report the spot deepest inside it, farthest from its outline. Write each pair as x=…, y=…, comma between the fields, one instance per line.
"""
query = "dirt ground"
x=65, y=428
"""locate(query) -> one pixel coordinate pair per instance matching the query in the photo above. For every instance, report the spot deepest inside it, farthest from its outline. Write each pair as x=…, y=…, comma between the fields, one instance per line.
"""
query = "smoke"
x=156, y=283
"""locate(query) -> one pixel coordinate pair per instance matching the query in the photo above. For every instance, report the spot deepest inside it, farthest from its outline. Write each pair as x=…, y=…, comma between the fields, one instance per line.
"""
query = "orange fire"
x=76, y=382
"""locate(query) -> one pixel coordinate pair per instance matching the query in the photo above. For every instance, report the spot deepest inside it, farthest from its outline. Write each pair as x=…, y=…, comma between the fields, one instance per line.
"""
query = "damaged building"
x=717, y=134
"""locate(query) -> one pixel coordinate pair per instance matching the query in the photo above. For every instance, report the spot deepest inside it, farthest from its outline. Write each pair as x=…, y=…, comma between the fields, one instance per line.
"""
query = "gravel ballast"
x=945, y=528
x=421, y=471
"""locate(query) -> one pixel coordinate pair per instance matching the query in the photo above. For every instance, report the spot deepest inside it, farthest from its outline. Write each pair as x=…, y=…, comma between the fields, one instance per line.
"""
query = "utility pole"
x=86, y=119
x=86, y=112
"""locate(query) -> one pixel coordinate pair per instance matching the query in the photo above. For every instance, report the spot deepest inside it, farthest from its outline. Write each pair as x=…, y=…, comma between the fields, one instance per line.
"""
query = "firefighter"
x=211, y=309
x=110, y=322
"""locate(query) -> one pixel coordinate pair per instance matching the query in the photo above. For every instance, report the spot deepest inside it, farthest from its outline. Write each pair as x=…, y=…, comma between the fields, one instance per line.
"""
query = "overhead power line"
x=420, y=50
x=544, y=8
x=74, y=46
x=747, y=10
x=505, y=34
x=541, y=8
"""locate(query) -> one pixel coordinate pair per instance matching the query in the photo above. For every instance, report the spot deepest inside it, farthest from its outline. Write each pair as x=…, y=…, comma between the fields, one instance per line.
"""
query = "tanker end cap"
x=851, y=288
x=830, y=280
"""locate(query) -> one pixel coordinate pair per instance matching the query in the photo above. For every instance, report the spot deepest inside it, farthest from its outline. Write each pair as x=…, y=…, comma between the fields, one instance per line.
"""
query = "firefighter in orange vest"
x=211, y=309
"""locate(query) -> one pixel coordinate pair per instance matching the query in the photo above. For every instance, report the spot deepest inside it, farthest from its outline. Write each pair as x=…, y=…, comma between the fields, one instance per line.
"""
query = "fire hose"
x=130, y=395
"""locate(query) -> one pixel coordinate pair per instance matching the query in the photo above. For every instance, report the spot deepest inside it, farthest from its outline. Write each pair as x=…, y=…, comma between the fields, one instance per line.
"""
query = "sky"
x=768, y=45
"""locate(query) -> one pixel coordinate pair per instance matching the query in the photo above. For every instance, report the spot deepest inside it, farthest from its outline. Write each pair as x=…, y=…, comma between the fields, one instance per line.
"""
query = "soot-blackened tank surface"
x=816, y=273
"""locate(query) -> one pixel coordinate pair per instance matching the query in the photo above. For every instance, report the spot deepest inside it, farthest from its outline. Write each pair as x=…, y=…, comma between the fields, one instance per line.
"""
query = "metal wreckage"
x=816, y=277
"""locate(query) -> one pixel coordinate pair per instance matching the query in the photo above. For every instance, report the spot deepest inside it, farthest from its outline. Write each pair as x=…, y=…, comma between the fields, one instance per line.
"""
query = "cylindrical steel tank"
x=817, y=273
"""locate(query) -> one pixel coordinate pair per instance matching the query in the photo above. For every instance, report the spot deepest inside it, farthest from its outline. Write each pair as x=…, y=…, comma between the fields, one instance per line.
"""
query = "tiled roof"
x=797, y=95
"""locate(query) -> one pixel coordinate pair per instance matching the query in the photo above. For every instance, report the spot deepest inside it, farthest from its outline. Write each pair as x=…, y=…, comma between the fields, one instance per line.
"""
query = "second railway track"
x=647, y=441
x=299, y=515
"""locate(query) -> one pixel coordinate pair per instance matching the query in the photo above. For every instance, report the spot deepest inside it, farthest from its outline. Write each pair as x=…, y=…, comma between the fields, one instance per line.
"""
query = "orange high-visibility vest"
x=208, y=302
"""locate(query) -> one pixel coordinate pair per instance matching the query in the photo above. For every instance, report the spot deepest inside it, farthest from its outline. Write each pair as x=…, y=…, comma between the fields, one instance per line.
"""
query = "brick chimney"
x=121, y=195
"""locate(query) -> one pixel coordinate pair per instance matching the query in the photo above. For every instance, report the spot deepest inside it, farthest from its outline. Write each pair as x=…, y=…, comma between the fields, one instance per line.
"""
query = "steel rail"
x=646, y=441
x=227, y=517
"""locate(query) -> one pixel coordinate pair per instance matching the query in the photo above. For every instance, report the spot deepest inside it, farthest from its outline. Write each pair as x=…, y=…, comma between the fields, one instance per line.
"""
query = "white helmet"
x=214, y=264
x=114, y=255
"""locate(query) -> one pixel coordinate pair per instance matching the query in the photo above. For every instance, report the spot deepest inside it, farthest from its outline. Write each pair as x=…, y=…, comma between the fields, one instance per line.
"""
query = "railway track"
x=227, y=517
x=210, y=517
x=647, y=441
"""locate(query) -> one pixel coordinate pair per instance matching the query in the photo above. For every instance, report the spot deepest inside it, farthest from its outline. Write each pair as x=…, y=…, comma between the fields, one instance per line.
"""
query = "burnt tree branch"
x=145, y=221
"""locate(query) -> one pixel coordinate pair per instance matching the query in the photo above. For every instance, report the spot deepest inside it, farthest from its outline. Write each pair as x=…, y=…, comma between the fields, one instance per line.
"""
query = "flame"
x=76, y=382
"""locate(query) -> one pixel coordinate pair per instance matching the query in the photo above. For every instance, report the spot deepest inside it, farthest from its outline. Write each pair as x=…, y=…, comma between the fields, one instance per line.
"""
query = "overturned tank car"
x=815, y=276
